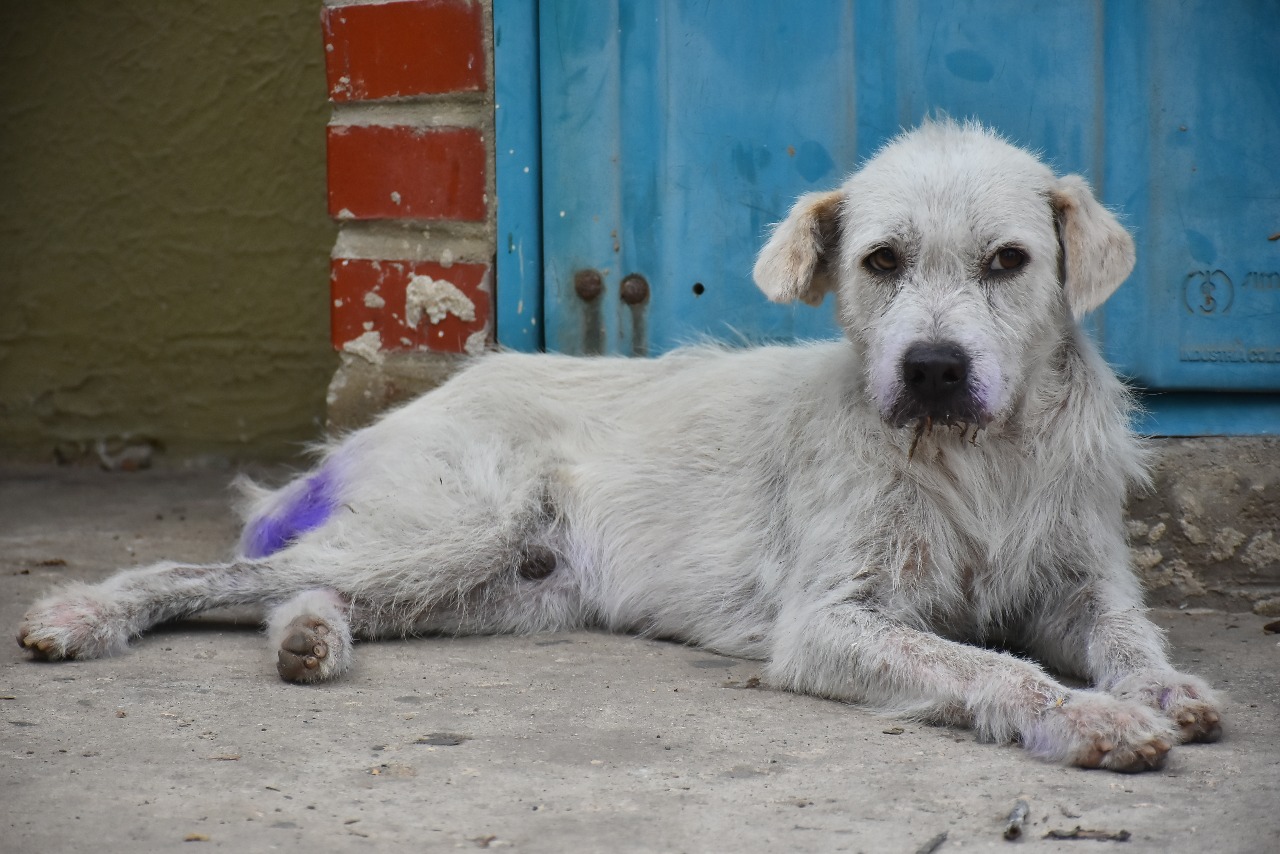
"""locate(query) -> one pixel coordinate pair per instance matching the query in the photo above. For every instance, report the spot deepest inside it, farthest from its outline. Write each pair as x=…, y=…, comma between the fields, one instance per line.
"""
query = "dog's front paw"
x=74, y=623
x=1187, y=701
x=1094, y=730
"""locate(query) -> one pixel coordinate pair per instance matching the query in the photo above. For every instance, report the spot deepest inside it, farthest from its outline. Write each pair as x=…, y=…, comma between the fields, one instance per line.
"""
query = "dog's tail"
x=275, y=518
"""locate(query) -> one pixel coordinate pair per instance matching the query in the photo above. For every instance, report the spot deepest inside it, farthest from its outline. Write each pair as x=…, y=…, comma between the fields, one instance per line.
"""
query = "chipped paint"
x=1192, y=532
x=373, y=300
x=1263, y=552
x=1175, y=575
x=476, y=342
x=436, y=298
x=368, y=347
x=1225, y=543
x=336, y=386
x=1145, y=558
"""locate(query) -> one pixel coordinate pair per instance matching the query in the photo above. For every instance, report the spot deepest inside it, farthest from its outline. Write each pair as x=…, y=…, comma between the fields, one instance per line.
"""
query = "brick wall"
x=411, y=183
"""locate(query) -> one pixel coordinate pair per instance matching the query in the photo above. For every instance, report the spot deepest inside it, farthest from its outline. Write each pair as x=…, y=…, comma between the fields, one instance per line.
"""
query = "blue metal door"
x=673, y=133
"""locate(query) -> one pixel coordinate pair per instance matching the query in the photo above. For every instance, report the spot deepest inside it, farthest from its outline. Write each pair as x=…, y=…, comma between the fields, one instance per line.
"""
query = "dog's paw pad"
x=1198, y=721
x=1094, y=730
x=304, y=654
x=1127, y=758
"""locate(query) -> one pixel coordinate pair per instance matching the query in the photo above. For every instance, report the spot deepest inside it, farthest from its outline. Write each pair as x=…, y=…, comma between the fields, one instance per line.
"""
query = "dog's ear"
x=1097, y=252
x=799, y=260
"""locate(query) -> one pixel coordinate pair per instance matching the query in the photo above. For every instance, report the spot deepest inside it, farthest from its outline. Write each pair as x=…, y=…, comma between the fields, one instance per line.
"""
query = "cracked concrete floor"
x=551, y=743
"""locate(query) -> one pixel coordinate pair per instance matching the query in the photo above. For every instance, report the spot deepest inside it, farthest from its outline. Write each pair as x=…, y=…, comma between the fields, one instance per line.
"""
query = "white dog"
x=874, y=518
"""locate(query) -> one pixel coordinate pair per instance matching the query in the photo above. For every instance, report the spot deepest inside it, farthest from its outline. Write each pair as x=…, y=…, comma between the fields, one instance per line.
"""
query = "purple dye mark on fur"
x=1165, y=696
x=306, y=507
x=1038, y=741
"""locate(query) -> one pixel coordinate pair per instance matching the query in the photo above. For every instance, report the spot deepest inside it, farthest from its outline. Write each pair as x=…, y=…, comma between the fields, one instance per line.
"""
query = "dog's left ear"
x=800, y=258
x=1097, y=252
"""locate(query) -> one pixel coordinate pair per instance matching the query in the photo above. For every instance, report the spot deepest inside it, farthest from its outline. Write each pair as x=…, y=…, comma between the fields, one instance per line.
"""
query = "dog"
x=879, y=519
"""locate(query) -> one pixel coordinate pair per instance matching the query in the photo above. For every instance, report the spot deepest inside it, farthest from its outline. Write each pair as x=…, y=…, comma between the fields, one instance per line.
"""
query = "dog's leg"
x=471, y=548
x=850, y=653
x=1104, y=634
x=84, y=621
x=481, y=573
x=94, y=620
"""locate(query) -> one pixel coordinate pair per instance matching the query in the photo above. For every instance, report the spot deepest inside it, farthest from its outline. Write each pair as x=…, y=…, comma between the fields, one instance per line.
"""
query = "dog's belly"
x=666, y=555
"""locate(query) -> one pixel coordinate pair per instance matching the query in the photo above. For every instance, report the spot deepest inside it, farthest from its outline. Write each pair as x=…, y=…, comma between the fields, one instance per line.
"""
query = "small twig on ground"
x=1079, y=833
x=1013, y=826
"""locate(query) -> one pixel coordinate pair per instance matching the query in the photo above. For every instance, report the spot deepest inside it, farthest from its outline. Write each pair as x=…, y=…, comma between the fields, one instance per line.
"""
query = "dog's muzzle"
x=936, y=386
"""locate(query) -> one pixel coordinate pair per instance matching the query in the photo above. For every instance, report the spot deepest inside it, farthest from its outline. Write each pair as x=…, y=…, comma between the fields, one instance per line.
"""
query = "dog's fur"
x=874, y=518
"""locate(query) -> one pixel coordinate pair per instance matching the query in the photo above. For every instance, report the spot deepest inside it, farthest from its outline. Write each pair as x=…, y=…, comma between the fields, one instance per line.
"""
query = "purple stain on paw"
x=1165, y=696
x=305, y=506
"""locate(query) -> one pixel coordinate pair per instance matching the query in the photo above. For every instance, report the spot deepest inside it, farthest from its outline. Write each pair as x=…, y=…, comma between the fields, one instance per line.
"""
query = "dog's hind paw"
x=1094, y=730
x=311, y=651
x=1186, y=700
x=74, y=623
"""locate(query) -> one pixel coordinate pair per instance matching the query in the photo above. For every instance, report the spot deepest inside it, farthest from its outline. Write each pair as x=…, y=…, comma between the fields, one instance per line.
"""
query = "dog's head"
x=959, y=262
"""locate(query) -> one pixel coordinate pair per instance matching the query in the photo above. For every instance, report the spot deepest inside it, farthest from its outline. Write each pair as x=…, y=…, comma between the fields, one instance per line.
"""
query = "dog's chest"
x=984, y=540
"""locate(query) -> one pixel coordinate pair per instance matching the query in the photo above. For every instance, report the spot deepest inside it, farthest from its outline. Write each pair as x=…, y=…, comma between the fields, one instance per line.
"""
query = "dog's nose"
x=935, y=372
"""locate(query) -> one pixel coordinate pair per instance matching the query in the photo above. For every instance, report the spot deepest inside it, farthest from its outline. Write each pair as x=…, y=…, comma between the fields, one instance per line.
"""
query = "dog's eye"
x=883, y=260
x=1007, y=260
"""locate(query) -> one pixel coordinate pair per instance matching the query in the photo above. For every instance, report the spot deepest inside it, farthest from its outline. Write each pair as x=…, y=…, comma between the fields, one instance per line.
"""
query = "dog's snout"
x=933, y=371
x=936, y=385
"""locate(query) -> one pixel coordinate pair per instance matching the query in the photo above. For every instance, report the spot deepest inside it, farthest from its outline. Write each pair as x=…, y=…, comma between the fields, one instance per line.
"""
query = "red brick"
x=354, y=312
x=399, y=49
x=401, y=172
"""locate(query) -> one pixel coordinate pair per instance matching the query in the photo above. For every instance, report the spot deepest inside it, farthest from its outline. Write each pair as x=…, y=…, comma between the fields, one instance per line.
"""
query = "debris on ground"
x=1018, y=816
x=443, y=739
x=1080, y=833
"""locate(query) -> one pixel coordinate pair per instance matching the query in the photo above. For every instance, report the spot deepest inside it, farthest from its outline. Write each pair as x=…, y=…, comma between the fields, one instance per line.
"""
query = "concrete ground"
x=552, y=743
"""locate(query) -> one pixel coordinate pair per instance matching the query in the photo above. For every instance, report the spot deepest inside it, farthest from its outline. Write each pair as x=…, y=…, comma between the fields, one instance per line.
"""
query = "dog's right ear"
x=799, y=260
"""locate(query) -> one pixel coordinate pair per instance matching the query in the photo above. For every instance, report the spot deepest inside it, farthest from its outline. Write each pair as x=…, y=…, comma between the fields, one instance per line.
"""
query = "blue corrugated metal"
x=675, y=132
x=672, y=142
x=518, y=297
x=1194, y=157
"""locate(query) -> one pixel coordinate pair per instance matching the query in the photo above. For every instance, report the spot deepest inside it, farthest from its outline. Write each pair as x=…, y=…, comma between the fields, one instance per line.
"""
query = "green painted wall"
x=164, y=241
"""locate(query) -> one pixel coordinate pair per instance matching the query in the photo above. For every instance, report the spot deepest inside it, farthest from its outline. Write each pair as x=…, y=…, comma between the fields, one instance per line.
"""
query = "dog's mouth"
x=967, y=431
x=963, y=412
